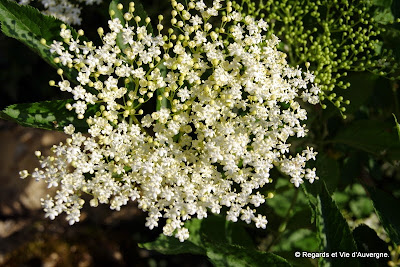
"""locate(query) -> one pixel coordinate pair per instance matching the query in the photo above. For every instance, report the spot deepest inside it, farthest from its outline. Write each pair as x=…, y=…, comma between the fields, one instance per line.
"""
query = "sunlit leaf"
x=50, y=115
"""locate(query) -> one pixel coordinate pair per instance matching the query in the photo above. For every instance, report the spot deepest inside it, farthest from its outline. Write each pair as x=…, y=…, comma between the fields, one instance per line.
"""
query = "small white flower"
x=23, y=174
x=70, y=129
x=66, y=33
x=115, y=25
x=182, y=234
x=261, y=221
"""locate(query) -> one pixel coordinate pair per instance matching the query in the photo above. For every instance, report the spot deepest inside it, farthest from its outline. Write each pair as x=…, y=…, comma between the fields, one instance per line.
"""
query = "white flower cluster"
x=63, y=9
x=227, y=104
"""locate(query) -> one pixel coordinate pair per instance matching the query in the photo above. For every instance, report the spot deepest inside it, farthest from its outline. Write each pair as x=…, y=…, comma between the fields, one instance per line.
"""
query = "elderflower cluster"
x=188, y=123
x=65, y=10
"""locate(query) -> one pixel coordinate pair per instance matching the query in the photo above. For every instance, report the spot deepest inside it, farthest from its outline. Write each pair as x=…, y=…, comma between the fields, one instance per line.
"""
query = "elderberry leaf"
x=333, y=231
x=224, y=243
x=29, y=26
x=386, y=207
x=49, y=115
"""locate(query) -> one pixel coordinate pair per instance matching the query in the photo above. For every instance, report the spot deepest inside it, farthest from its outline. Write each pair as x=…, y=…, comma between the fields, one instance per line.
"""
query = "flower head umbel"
x=227, y=102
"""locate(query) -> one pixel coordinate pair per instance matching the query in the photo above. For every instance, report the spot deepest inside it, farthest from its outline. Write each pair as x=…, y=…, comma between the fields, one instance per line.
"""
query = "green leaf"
x=139, y=11
x=375, y=137
x=328, y=168
x=333, y=231
x=384, y=16
x=172, y=246
x=29, y=26
x=194, y=227
x=224, y=231
x=50, y=115
x=362, y=87
x=120, y=15
x=224, y=243
x=351, y=166
x=387, y=209
x=397, y=125
x=281, y=201
x=311, y=191
x=163, y=103
x=368, y=242
x=222, y=254
x=297, y=261
x=396, y=8
x=341, y=198
x=361, y=207
x=382, y=3
x=383, y=13
x=300, y=239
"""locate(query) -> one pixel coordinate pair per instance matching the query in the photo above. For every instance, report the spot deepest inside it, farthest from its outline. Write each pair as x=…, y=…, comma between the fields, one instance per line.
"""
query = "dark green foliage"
x=367, y=241
x=333, y=231
x=29, y=26
x=387, y=209
x=223, y=242
x=372, y=136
